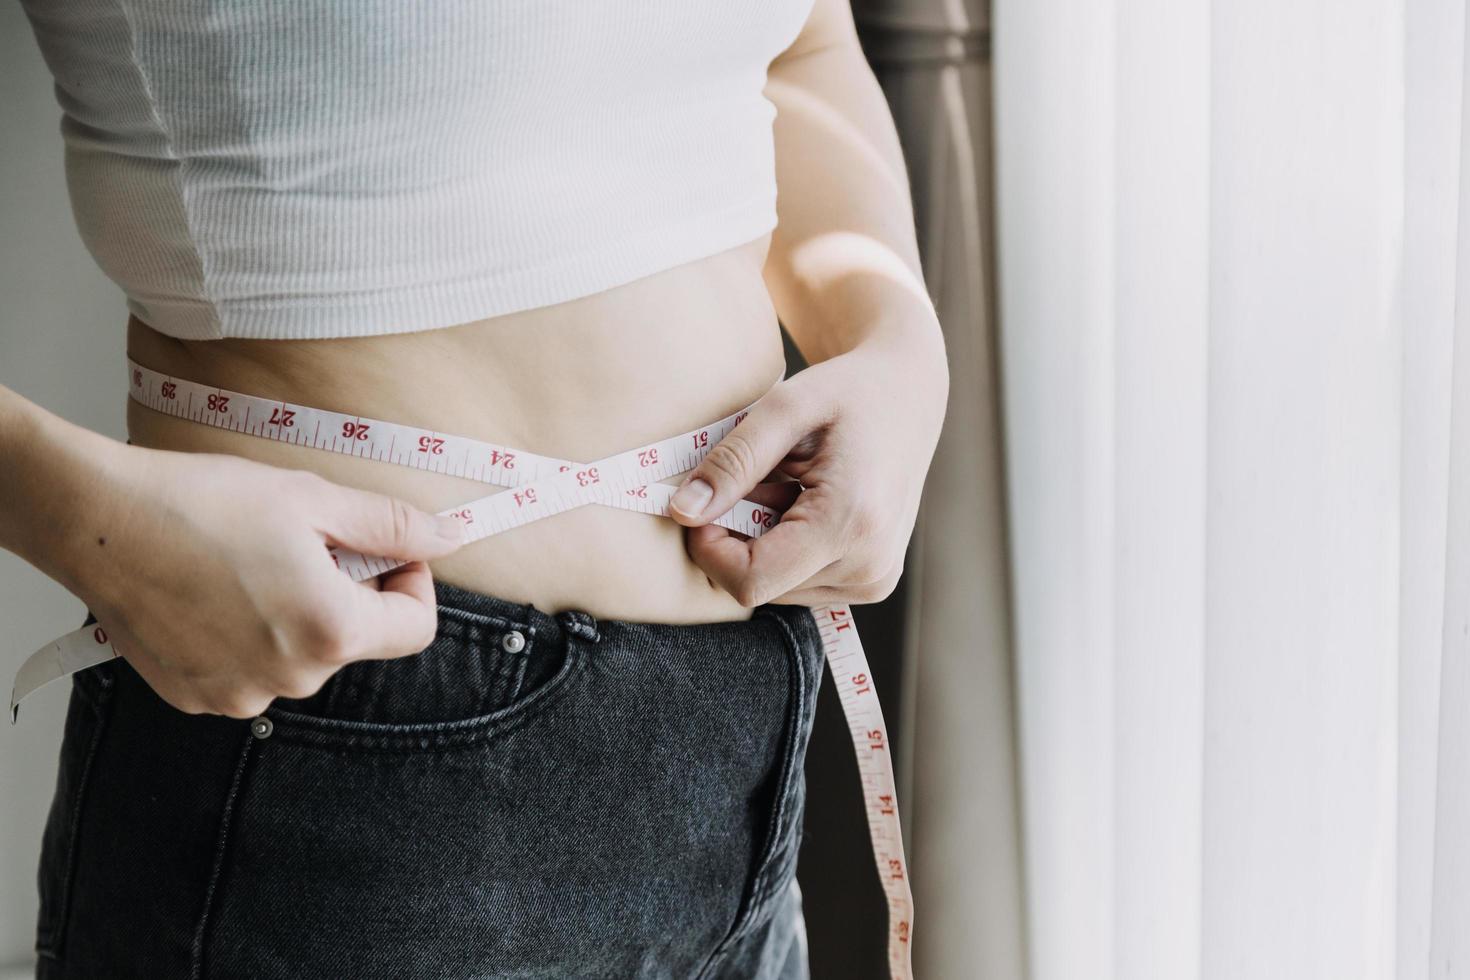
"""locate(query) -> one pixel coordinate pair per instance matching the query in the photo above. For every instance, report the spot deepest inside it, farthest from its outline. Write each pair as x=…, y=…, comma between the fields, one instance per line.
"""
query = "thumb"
x=737, y=462
x=374, y=524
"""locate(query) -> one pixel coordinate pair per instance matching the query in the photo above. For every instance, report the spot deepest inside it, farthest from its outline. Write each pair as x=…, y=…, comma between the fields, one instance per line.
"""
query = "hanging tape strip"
x=537, y=487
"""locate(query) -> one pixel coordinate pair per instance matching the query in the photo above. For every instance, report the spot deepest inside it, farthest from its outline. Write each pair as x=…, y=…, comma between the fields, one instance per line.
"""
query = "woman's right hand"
x=211, y=576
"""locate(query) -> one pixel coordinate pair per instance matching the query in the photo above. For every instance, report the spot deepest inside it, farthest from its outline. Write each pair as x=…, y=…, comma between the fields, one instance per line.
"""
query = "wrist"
x=913, y=356
x=60, y=496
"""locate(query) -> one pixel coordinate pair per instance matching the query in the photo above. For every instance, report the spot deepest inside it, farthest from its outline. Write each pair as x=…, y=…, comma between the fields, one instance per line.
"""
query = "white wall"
x=61, y=344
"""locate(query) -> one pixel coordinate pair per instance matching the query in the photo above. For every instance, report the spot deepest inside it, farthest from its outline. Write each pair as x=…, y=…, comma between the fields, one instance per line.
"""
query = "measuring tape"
x=537, y=487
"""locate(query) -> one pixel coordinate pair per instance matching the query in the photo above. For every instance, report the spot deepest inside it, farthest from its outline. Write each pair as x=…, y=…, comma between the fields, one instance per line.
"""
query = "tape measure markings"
x=536, y=487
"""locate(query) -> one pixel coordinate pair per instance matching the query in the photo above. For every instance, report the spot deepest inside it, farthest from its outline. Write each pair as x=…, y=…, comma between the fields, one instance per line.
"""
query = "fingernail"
x=691, y=498
x=449, y=528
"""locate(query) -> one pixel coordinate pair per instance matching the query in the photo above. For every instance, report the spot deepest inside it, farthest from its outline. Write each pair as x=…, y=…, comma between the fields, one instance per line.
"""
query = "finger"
x=398, y=619
x=777, y=497
x=757, y=569
x=860, y=575
x=776, y=494
x=413, y=580
x=739, y=461
x=236, y=700
x=230, y=695
x=851, y=594
x=374, y=524
x=167, y=686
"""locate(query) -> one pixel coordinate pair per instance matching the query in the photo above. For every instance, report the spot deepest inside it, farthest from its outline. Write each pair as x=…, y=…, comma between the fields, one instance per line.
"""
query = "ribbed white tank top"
x=331, y=168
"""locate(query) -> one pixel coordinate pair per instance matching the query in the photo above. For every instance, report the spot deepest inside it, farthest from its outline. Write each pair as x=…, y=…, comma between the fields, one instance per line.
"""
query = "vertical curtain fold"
x=1434, y=39
x=1448, y=177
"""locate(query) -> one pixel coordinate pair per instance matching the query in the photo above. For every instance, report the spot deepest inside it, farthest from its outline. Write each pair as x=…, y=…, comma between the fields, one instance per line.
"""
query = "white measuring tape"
x=538, y=486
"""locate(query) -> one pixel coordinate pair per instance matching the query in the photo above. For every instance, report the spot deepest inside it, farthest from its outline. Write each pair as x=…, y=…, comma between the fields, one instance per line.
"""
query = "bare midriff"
x=579, y=380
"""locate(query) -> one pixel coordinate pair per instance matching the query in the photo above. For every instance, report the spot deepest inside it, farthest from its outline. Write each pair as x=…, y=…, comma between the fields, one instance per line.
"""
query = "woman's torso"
x=586, y=190
x=578, y=380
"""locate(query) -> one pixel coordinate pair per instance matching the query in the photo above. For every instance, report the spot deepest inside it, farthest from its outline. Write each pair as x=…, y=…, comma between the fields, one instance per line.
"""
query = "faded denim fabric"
x=534, y=796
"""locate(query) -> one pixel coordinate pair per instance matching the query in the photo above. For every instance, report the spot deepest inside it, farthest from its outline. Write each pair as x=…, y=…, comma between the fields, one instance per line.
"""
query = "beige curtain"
x=957, y=744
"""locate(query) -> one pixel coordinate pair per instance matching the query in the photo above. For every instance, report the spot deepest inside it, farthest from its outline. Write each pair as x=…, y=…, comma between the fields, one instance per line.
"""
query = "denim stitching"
x=581, y=623
x=795, y=723
x=465, y=619
x=63, y=912
x=226, y=825
x=337, y=733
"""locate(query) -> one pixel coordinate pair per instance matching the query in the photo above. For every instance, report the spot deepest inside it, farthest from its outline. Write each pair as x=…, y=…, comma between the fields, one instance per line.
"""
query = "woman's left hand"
x=858, y=431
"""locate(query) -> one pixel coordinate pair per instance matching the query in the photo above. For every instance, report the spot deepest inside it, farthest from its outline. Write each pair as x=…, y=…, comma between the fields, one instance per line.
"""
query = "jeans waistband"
x=521, y=614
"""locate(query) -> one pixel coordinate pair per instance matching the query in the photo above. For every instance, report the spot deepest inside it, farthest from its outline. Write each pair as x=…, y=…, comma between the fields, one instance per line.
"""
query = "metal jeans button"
x=513, y=642
x=261, y=727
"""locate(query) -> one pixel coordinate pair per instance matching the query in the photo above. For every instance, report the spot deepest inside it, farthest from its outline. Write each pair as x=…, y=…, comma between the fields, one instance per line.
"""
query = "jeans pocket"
x=86, y=719
x=480, y=675
x=375, y=849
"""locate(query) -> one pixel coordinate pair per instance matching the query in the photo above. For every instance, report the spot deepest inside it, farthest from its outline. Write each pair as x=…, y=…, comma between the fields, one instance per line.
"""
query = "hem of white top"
x=429, y=306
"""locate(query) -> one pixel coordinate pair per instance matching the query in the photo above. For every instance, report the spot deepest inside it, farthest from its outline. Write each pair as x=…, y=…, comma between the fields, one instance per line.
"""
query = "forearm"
x=843, y=268
x=49, y=469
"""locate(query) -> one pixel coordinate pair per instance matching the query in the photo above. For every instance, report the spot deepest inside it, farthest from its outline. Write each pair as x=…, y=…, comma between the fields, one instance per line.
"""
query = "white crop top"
x=332, y=168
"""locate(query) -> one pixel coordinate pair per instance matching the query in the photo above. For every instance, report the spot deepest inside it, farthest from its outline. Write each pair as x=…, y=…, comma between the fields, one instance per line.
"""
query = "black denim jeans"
x=533, y=796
